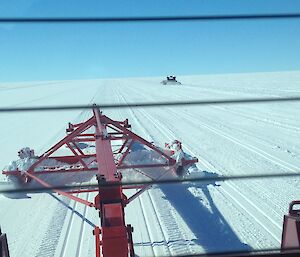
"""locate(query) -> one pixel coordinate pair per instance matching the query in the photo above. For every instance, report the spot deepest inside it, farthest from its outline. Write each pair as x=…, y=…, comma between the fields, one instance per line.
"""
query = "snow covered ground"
x=169, y=219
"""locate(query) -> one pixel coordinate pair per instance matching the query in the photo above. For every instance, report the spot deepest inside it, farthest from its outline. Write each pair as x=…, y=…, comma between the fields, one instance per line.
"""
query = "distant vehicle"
x=171, y=80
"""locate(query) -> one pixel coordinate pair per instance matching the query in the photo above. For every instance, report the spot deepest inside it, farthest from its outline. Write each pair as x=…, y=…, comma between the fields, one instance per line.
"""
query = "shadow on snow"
x=211, y=229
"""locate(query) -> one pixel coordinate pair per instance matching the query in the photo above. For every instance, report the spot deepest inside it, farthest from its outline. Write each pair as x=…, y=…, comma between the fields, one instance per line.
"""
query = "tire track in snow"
x=75, y=239
x=50, y=240
x=243, y=144
x=146, y=223
x=253, y=149
x=258, y=185
x=159, y=251
x=267, y=156
x=82, y=227
x=264, y=216
x=252, y=211
x=248, y=146
x=169, y=227
x=267, y=121
x=67, y=234
x=272, y=159
x=172, y=231
x=245, y=115
x=142, y=207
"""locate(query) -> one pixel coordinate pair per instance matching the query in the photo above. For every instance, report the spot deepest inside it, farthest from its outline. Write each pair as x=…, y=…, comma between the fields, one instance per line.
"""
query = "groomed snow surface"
x=175, y=219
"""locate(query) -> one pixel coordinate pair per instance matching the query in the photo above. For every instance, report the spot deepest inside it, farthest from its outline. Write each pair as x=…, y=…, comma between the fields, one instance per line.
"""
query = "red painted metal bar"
x=137, y=194
x=117, y=138
x=97, y=233
x=132, y=187
x=82, y=191
x=103, y=150
x=51, y=171
x=12, y=172
x=110, y=200
x=123, y=146
x=115, y=133
x=114, y=128
x=91, y=161
x=84, y=140
x=144, y=173
x=86, y=135
x=77, y=148
x=76, y=154
x=138, y=138
x=70, y=159
x=125, y=153
x=81, y=128
x=90, y=204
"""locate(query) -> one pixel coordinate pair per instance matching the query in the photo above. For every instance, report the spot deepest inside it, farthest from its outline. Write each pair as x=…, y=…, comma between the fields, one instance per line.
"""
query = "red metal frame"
x=291, y=228
x=114, y=238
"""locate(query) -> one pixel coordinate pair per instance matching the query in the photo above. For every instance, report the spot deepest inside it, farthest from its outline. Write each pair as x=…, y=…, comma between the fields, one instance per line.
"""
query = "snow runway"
x=169, y=219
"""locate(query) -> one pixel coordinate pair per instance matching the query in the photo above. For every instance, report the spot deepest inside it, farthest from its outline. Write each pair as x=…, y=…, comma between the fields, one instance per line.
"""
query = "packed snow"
x=171, y=219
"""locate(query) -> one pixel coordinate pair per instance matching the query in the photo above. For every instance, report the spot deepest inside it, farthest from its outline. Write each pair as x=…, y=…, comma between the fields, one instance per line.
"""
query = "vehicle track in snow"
x=171, y=136
x=285, y=165
x=50, y=240
x=274, y=229
x=74, y=231
x=262, y=153
x=168, y=226
x=295, y=129
x=179, y=94
x=170, y=231
x=258, y=151
x=260, y=119
x=249, y=147
x=242, y=202
x=67, y=233
x=251, y=209
x=193, y=118
x=156, y=234
x=82, y=228
x=267, y=156
x=146, y=224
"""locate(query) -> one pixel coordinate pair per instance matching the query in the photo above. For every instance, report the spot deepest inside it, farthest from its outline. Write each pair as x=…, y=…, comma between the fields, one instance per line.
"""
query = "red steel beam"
x=82, y=191
x=126, y=152
x=137, y=194
x=110, y=200
x=76, y=154
x=18, y=173
x=138, y=138
x=90, y=204
x=84, y=126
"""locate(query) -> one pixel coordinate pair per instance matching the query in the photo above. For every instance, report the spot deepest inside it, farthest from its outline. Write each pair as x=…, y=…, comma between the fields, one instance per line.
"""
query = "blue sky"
x=80, y=51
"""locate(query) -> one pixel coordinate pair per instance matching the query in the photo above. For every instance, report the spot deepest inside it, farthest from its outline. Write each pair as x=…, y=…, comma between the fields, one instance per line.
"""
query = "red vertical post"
x=110, y=200
x=97, y=233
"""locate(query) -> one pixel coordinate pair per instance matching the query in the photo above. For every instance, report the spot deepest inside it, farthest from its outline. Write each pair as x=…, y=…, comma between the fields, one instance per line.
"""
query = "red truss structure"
x=112, y=141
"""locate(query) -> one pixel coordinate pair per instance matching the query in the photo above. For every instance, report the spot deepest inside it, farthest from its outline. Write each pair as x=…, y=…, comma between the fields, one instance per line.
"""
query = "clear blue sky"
x=81, y=51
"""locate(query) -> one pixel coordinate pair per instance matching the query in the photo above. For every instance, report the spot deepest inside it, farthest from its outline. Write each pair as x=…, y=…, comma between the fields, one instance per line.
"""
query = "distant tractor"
x=171, y=80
